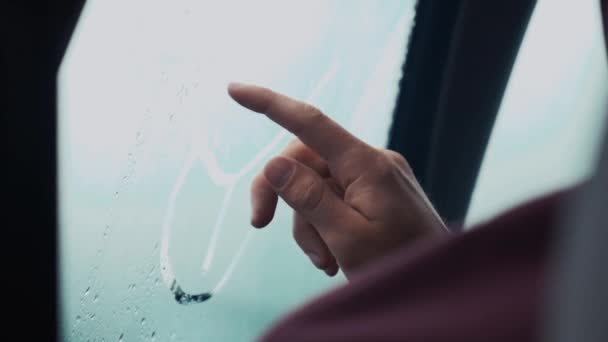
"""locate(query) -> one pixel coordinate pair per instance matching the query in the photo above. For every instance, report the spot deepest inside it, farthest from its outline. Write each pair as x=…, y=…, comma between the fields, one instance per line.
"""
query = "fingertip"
x=331, y=270
x=235, y=87
x=250, y=96
x=261, y=217
x=258, y=222
x=238, y=92
x=263, y=202
x=255, y=224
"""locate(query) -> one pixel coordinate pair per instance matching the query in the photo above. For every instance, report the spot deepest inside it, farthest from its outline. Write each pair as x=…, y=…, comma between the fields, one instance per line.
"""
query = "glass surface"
x=547, y=131
x=156, y=161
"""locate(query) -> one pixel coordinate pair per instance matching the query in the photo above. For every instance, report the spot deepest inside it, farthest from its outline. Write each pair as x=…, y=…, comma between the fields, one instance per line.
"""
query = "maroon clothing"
x=483, y=285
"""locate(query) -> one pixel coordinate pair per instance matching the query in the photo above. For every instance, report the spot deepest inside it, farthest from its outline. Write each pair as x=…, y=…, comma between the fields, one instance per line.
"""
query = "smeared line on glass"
x=200, y=151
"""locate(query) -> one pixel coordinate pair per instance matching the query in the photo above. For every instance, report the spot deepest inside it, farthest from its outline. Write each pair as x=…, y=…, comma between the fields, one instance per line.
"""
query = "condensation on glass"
x=156, y=161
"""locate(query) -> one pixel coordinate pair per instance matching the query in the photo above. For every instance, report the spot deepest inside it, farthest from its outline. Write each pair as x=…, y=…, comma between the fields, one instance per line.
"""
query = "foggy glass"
x=156, y=161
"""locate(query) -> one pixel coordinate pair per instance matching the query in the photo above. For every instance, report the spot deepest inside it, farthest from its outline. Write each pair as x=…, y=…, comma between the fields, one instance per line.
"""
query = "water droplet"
x=116, y=194
x=155, y=246
x=156, y=281
x=92, y=317
x=78, y=318
x=96, y=298
x=143, y=321
x=153, y=335
x=120, y=338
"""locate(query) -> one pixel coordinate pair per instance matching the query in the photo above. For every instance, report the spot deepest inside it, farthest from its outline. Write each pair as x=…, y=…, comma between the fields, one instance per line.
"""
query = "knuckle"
x=398, y=159
x=314, y=117
x=312, y=111
x=335, y=187
x=383, y=166
x=307, y=195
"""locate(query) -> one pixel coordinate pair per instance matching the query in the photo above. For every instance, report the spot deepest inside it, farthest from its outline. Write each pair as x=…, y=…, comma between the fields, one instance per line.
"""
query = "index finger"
x=323, y=135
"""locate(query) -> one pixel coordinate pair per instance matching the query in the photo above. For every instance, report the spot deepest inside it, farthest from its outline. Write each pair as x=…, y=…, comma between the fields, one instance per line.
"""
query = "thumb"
x=309, y=195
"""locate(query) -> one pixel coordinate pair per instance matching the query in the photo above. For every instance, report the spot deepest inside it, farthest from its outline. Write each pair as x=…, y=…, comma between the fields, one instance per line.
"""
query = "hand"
x=352, y=203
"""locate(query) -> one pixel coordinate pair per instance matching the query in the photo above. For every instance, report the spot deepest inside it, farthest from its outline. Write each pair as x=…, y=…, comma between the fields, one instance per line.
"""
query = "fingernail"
x=315, y=259
x=278, y=172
